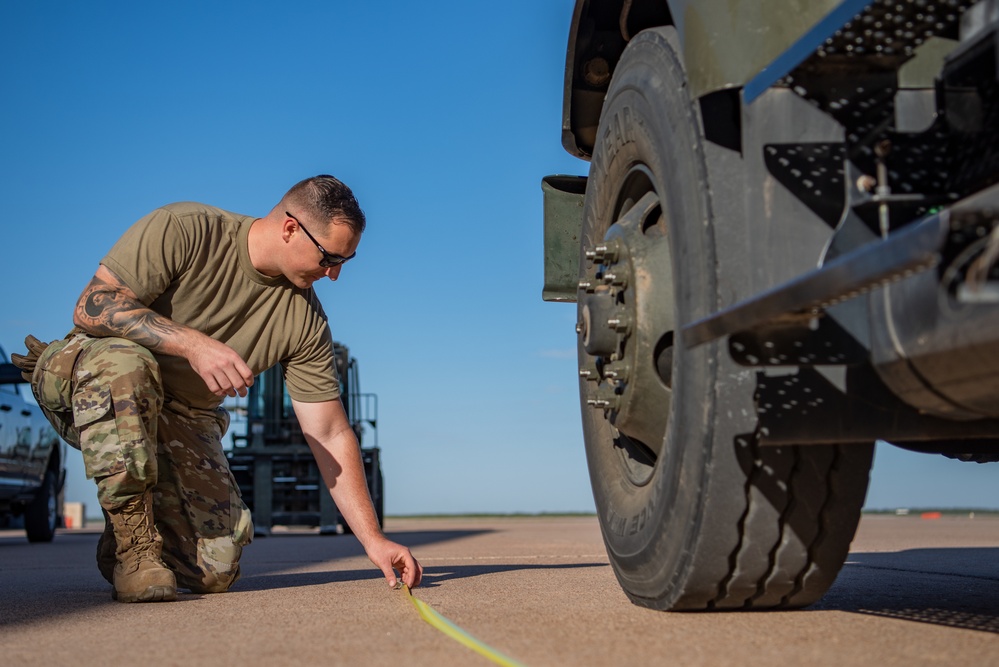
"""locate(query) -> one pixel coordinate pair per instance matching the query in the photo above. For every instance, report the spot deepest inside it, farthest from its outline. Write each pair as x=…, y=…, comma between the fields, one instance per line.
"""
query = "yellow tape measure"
x=430, y=615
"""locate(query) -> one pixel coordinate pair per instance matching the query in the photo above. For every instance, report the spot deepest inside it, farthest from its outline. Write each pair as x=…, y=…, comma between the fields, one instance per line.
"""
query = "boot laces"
x=141, y=538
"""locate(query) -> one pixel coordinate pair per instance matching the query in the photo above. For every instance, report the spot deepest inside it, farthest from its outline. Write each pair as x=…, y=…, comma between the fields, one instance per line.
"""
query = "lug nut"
x=615, y=280
x=605, y=400
x=620, y=325
x=618, y=372
x=603, y=254
x=606, y=253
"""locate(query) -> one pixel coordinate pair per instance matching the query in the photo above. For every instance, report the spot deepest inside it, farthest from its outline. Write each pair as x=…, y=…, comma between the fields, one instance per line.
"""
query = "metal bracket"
x=907, y=251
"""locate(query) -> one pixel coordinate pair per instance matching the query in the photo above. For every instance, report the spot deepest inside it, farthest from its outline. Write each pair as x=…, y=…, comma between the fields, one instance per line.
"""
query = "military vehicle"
x=785, y=249
x=274, y=466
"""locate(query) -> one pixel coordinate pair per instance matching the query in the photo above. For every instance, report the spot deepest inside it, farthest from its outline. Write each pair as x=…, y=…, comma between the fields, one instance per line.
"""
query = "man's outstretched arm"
x=108, y=307
x=338, y=455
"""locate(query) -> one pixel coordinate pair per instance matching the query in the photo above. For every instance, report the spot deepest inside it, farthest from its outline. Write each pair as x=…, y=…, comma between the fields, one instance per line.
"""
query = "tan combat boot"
x=140, y=575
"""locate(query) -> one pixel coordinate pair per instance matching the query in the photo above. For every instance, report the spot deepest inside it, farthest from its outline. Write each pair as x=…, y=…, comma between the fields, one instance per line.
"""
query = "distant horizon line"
x=895, y=511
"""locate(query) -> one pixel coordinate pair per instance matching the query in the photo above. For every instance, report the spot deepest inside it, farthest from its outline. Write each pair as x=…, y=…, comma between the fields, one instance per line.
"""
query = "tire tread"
x=809, y=539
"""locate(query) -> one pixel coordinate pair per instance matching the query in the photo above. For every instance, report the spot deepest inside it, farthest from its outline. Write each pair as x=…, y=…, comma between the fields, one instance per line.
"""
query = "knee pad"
x=218, y=565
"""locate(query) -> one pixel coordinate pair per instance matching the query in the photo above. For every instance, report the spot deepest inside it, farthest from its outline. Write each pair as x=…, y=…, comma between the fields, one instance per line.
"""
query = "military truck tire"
x=41, y=515
x=694, y=513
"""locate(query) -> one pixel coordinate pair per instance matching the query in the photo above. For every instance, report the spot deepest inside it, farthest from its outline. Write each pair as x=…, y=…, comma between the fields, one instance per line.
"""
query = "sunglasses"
x=329, y=260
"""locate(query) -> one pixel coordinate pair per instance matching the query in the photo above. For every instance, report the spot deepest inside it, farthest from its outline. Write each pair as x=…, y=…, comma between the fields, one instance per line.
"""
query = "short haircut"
x=327, y=200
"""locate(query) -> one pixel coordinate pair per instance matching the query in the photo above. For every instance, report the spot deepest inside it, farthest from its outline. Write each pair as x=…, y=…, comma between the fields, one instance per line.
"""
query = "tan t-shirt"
x=191, y=263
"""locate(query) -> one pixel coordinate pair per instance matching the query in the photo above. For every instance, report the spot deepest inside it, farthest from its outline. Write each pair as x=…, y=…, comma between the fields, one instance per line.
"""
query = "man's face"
x=313, y=248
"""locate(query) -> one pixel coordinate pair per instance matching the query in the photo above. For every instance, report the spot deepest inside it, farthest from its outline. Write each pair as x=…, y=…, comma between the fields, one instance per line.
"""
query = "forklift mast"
x=273, y=464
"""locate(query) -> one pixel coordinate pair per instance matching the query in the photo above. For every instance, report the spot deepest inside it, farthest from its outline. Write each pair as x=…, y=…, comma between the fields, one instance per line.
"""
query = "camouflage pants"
x=105, y=397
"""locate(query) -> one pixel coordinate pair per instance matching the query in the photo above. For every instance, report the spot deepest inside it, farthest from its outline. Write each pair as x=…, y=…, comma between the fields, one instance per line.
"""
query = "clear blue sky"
x=442, y=117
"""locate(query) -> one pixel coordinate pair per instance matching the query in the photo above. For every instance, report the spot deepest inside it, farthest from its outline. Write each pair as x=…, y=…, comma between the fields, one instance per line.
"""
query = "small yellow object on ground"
x=430, y=615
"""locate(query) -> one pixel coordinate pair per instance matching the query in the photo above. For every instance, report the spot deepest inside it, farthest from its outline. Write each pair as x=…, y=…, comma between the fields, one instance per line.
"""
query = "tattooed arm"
x=108, y=307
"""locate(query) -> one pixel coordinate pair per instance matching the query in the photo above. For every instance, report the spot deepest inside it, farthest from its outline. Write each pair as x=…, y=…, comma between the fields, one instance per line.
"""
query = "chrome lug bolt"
x=620, y=325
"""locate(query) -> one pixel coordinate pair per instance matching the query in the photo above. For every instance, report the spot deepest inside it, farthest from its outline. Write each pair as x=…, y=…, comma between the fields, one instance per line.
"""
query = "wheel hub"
x=626, y=324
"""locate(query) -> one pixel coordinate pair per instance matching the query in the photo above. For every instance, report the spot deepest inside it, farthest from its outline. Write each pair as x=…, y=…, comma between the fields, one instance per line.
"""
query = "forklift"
x=274, y=467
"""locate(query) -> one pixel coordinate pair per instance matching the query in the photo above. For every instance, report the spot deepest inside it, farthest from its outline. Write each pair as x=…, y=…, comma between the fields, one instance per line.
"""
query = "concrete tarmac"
x=538, y=589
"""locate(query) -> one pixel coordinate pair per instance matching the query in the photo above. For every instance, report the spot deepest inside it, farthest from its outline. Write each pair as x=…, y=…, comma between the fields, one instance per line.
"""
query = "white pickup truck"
x=32, y=460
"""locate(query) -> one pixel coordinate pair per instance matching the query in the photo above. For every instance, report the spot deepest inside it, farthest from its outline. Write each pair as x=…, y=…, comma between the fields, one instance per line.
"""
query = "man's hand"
x=329, y=434
x=389, y=557
x=223, y=370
